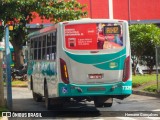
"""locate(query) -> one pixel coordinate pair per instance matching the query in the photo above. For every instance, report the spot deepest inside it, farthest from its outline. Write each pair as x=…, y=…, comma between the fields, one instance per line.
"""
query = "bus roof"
x=44, y=30
x=83, y=20
x=86, y=20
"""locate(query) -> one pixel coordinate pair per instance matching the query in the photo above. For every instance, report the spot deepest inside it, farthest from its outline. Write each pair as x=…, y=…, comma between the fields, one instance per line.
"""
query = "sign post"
x=8, y=68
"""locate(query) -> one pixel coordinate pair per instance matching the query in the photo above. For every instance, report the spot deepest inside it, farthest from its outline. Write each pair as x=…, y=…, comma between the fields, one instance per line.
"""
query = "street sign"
x=8, y=68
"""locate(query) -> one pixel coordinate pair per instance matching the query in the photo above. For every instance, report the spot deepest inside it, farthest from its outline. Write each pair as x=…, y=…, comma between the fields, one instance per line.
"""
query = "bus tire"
x=108, y=102
x=37, y=97
x=103, y=102
x=31, y=84
x=98, y=103
x=47, y=100
x=58, y=103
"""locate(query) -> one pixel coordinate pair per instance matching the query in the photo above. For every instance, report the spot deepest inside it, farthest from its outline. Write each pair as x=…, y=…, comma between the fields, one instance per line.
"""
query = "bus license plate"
x=95, y=76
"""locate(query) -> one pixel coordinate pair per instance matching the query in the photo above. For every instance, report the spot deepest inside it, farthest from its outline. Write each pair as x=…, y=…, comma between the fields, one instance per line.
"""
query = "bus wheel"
x=108, y=102
x=37, y=97
x=103, y=102
x=58, y=103
x=47, y=100
x=98, y=103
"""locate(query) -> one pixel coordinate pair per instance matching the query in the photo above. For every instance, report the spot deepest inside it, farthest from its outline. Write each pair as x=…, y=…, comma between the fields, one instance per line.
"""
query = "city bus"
x=80, y=60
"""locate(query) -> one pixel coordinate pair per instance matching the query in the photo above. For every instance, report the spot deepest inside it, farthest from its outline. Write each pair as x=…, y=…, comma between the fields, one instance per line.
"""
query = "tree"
x=144, y=38
x=20, y=12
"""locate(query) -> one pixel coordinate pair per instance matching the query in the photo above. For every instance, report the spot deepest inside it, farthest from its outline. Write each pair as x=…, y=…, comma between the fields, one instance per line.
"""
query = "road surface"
x=134, y=105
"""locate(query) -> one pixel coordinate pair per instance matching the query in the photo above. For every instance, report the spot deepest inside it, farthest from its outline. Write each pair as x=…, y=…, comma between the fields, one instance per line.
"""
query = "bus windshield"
x=93, y=36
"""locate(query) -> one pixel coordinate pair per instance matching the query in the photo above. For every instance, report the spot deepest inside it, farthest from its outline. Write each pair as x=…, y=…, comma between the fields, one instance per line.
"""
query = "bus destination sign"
x=112, y=29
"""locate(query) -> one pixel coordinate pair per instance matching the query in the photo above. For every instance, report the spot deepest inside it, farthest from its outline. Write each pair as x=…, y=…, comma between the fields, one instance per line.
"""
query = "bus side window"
x=31, y=49
x=53, y=53
x=53, y=50
x=49, y=46
x=31, y=54
x=39, y=48
x=32, y=43
x=44, y=47
x=35, y=49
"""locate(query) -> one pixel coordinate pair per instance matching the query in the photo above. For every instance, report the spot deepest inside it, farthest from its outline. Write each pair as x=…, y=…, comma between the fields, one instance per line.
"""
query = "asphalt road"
x=121, y=109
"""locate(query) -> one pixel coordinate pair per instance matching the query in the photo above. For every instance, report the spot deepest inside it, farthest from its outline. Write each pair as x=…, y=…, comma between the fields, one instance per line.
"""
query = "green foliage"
x=140, y=80
x=56, y=10
x=1, y=32
x=60, y=10
x=144, y=38
x=20, y=12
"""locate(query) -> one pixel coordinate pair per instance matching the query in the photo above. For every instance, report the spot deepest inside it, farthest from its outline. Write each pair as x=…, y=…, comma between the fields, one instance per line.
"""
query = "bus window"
x=39, y=48
x=53, y=54
x=35, y=43
x=44, y=48
x=35, y=54
x=32, y=45
x=54, y=39
x=48, y=46
x=53, y=47
x=35, y=49
x=31, y=54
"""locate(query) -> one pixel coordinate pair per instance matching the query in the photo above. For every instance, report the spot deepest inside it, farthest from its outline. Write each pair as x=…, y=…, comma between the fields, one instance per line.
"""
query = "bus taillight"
x=126, y=70
x=64, y=71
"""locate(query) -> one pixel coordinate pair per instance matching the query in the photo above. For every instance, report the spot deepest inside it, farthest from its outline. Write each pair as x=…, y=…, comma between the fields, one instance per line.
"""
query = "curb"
x=146, y=93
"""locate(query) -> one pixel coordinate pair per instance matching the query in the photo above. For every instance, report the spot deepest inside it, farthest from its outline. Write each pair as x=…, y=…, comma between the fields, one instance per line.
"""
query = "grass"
x=151, y=88
x=140, y=80
x=18, y=83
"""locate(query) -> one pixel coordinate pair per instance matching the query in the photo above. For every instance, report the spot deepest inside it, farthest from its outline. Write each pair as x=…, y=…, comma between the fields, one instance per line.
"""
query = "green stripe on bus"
x=116, y=64
x=102, y=61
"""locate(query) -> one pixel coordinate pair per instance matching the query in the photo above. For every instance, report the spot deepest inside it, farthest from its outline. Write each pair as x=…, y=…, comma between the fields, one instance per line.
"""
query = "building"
x=135, y=11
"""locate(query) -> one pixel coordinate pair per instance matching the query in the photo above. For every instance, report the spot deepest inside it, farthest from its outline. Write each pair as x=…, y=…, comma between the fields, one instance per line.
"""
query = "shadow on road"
x=68, y=110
